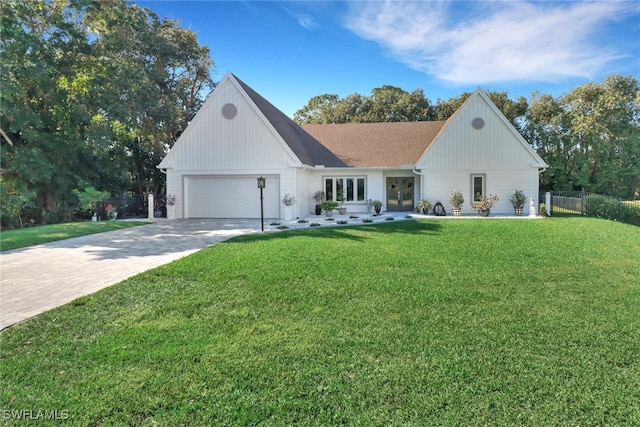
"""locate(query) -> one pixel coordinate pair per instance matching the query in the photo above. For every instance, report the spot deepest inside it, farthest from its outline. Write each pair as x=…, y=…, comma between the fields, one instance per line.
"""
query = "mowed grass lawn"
x=443, y=323
x=14, y=239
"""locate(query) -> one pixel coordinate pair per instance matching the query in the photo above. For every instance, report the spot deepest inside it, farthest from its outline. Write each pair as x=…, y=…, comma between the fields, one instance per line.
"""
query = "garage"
x=229, y=197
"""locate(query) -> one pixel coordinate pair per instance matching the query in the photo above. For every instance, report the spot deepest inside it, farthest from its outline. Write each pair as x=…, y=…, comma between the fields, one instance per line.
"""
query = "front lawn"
x=14, y=239
x=444, y=323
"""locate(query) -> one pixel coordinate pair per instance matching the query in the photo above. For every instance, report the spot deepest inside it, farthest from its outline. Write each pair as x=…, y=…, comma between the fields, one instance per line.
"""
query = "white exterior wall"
x=304, y=201
x=375, y=181
x=495, y=151
x=503, y=183
x=245, y=145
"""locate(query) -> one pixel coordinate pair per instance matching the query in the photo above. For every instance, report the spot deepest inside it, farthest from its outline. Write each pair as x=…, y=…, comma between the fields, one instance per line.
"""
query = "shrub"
x=609, y=208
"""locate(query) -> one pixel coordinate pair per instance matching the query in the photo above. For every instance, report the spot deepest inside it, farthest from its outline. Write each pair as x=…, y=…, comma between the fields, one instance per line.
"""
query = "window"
x=353, y=187
x=477, y=187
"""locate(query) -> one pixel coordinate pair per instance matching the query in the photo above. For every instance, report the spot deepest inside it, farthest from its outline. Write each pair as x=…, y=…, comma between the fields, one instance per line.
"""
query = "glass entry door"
x=400, y=194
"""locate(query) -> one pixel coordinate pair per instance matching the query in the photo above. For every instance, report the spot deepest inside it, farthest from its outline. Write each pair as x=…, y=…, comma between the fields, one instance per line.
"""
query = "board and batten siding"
x=213, y=142
x=213, y=145
x=495, y=151
x=503, y=183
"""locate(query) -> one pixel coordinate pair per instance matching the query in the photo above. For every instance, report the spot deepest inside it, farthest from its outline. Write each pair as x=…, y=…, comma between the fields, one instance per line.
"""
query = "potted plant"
x=111, y=211
x=288, y=202
x=328, y=206
x=377, y=206
x=456, y=201
x=517, y=200
x=319, y=197
x=340, y=198
x=424, y=206
x=485, y=204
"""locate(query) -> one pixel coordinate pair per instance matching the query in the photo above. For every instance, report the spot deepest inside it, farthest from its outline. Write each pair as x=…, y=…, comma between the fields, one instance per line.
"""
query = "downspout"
x=421, y=174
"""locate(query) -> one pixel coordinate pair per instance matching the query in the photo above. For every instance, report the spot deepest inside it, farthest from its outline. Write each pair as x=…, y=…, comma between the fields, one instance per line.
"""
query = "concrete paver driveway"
x=39, y=278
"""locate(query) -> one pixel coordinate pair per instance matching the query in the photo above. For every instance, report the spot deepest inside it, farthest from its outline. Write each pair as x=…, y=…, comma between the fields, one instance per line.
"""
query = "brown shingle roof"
x=377, y=144
x=350, y=145
x=304, y=146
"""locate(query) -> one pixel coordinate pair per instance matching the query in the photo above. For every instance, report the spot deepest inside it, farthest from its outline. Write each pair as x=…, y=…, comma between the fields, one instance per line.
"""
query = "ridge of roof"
x=308, y=150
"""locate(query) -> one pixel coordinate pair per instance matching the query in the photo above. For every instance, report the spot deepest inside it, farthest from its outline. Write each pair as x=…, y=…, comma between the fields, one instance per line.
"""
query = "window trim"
x=334, y=187
x=482, y=176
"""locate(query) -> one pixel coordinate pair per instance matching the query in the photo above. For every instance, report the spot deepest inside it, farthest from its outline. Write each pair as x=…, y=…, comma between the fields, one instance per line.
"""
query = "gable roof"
x=479, y=93
x=389, y=144
x=308, y=150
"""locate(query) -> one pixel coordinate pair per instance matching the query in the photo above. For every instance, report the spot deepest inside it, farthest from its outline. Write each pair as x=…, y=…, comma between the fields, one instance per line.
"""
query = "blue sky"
x=291, y=51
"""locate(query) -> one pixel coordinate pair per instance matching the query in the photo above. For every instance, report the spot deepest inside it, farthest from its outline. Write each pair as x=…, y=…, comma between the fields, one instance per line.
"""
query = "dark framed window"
x=478, y=186
x=354, y=188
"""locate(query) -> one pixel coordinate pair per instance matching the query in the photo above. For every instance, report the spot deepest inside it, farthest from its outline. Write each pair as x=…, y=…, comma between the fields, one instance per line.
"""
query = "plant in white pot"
x=517, y=199
x=328, y=206
x=288, y=202
x=456, y=201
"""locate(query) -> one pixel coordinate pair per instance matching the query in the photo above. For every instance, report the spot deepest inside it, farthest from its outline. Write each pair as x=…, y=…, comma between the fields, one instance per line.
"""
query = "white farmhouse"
x=238, y=136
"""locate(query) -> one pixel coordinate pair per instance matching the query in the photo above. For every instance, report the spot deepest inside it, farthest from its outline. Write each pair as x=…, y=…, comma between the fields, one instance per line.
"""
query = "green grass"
x=443, y=323
x=14, y=239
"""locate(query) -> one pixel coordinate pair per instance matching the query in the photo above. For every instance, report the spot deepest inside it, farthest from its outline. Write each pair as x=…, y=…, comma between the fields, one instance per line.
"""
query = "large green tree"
x=393, y=104
x=385, y=104
x=93, y=94
x=590, y=137
x=514, y=111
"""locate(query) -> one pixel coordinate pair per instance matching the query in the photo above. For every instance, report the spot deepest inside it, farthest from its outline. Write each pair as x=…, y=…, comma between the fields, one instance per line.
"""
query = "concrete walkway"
x=39, y=278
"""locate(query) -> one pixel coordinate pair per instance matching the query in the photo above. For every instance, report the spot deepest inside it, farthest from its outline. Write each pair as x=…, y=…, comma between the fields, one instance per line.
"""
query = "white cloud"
x=491, y=41
x=304, y=20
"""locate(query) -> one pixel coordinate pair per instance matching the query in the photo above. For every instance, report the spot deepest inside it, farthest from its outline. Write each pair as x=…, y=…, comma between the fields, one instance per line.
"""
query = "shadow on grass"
x=354, y=232
x=185, y=236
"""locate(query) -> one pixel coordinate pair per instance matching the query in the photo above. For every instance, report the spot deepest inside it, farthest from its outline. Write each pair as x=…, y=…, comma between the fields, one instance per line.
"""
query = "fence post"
x=582, y=201
x=150, y=206
x=547, y=202
x=619, y=208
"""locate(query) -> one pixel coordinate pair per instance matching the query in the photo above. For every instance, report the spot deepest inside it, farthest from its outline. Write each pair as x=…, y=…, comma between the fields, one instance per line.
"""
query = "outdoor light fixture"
x=262, y=183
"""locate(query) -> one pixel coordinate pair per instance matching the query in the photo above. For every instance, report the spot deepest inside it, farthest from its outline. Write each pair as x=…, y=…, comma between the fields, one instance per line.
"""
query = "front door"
x=400, y=194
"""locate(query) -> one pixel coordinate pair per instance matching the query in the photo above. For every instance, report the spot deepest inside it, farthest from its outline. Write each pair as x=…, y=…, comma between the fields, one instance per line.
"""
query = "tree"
x=385, y=104
x=590, y=137
x=514, y=111
x=392, y=104
x=319, y=110
x=92, y=93
x=605, y=132
x=546, y=128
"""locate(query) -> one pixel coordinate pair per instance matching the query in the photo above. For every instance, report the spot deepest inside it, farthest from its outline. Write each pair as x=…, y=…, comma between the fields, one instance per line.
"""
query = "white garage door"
x=230, y=197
